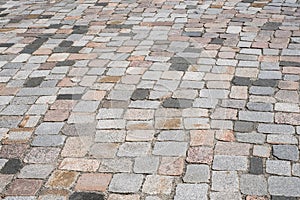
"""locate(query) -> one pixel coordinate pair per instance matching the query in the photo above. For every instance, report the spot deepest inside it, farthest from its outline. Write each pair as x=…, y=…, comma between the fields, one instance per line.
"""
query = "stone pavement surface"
x=150, y=100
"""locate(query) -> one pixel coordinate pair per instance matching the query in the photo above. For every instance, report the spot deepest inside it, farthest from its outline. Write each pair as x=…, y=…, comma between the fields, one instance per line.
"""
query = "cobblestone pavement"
x=149, y=99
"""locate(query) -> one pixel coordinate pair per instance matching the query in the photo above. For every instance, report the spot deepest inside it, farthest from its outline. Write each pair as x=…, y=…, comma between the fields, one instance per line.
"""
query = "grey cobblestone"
x=230, y=163
x=253, y=185
x=296, y=169
x=191, y=191
x=256, y=116
x=276, y=129
x=197, y=174
x=225, y=181
x=286, y=152
x=278, y=167
x=284, y=186
x=254, y=138
x=48, y=140
x=133, y=149
x=170, y=148
x=35, y=171
x=256, y=166
x=124, y=183
x=146, y=165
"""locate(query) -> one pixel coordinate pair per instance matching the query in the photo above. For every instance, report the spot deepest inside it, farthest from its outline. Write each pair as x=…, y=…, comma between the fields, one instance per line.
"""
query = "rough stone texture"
x=232, y=148
x=200, y=155
x=134, y=149
x=256, y=165
x=4, y=181
x=256, y=116
x=171, y=166
x=230, y=163
x=278, y=167
x=253, y=185
x=277, y=129
x=158, y=185
x=241, y=126
x=124, y=183
x=62, y=179
x=12, y=166
x=225, y=195
x=24, y=187
x=191, y=191
x=93, y=182
x=225, y=181
x=79, y=164
x=146, y=165
x=170, y=148
x=196, y=174
x=149, y=100
x=36, y=171
x=116, y=165
x=296, y=169
x=86, y=195
x=284, y=186
x=42, y=155
x=286, y=152
x=102, y=150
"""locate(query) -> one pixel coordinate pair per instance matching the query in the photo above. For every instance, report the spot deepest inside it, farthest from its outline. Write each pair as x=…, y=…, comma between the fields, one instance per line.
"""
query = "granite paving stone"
x=225, y=181
x=256, y=165
x=253, y=185
x=286, y=152
x=230, y=163
x=36, y=171
x=278, y=167
x=24, y=187
x=197, y=174
x=12, y=166
x=170, y=148
x=284, y=186
x=62, y=179
x=146, y=165
x=48, y=140
x=87, y=195
x=93, y=182
x=5, y=180
x=191, y=191
x=124, y=183
x=155, y=184
x=97, y=150
x=172, y=166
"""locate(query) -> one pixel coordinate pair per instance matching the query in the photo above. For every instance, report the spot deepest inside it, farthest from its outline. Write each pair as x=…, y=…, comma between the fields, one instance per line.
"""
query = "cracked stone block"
x=286, y=152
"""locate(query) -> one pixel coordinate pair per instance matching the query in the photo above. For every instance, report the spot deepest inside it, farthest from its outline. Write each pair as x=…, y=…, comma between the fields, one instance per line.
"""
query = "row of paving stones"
x=183, y=100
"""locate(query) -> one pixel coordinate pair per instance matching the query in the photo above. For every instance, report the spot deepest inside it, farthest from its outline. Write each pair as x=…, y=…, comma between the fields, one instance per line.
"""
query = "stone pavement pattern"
x=154, y=100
